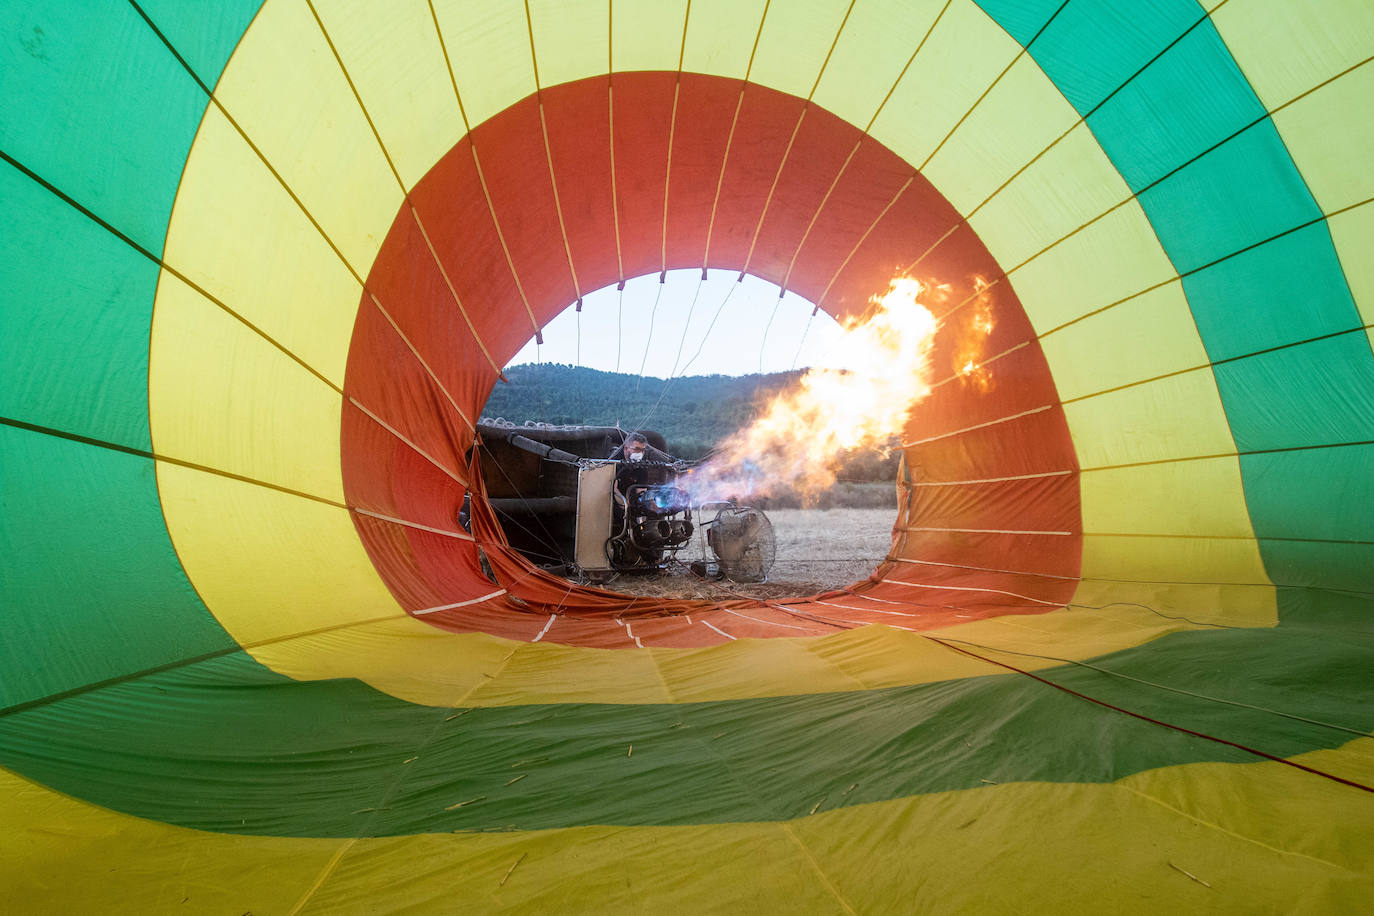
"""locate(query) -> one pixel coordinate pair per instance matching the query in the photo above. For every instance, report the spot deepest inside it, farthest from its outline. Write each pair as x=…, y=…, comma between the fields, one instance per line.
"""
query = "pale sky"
x=616, y=328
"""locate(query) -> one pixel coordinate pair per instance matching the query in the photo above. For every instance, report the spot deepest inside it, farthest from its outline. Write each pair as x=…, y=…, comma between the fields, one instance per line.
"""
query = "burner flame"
x=860, y=399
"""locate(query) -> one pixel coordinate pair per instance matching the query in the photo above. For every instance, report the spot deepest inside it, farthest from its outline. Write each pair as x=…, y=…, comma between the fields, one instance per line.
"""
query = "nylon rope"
x=763, y=341
x=802, y=342
x=672, y=376
x=648, y=341
x=1179, y=728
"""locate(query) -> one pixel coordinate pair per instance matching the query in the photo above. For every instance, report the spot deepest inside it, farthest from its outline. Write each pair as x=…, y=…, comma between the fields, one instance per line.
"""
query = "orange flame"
x=975, y=327
x=880, y=370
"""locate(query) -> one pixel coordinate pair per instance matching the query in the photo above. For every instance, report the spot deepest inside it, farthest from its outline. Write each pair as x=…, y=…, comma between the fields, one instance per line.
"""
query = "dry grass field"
x=817, y=549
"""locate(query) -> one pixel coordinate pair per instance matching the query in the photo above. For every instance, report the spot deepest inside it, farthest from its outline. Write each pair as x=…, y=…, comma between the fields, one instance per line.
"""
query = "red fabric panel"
x=383, y=474
x=706, y=106
x=1037, y=504
x=578, y=118
x=386, y=378
x=1015, y=388
x=459, y=223
x=679, y=631
x=765, y=125
x=915, y=222
x=871, y=181
x=1051, y=555
x=429, y=496
x=1008, y=449
x=409, y=284
x=515, y=165
x=497, y=617
x=601, y=633
x=391, y=554
x=956, y=261
x=820, y=149
x=643, y=119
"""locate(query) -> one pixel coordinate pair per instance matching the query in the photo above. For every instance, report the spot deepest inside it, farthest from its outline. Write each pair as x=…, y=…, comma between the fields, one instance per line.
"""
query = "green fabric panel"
x=1317, y=494
x=1324, y=609
x=90, y=586
x=1090, y=48
x=1187, y=101
x=1021, y=19
x=1093, y=46
x=1243, y=192
x=93, y=102
x=1314, y=394
x=1285, y=290
x=1252, y=666
x=1323, y=496
x=73, y=329
x=1330, y=565
x=203, y=34
x=227, y=745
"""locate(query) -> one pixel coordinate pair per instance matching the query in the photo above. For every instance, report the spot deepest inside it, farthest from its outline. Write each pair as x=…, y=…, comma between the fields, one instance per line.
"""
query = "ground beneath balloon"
x=817, y=550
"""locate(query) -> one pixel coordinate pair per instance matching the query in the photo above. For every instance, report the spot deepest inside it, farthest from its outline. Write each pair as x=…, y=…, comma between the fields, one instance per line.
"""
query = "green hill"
x=692, y=412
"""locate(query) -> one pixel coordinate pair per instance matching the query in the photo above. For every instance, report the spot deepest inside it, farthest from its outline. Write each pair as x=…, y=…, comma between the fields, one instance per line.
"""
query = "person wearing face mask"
x=636, y=447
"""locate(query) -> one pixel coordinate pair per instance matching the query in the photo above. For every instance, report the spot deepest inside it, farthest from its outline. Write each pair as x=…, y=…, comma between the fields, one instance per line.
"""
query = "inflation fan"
x=742, y=539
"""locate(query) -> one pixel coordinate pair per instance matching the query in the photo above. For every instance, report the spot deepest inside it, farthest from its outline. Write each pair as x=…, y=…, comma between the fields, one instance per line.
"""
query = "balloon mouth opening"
x=578, y=498
x=439, y=320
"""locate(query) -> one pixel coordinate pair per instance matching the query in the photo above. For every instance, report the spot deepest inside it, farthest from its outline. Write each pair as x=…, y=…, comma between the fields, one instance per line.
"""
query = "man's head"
x=635, y=446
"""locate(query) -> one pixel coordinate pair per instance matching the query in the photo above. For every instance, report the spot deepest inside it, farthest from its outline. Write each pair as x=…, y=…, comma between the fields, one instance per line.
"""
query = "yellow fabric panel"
x=882, y=656
x=489, y=49
x=647, y=34
x=1095, y=626
x=1353, y=234
x=877, y=41
x=1164, y=559
x=720, y=36
x=962, y=57
x=1175, y=417
x=795, y=42
x=1329, y=134
x=1265, y=837
x=237, y=234
x=751, y=667
x=550, y=673
x=285, y=89
x=220, y=395
x=410, y=660
x=395, y=61
x=1071, y=184
x=1145, y=337
x=404, y=657
x=1018, y=119
x=1236, y=605
x=730, y=868
x=571, y=39
x=268, y=564
x=1201, y=497
x=1268, y=837
x=1121, y=247
x=60, y=855
x=1285, y=809
x=1286, y=48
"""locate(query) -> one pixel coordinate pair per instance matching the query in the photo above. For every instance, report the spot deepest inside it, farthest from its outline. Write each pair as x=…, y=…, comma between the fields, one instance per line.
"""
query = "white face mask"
x=635, y=456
